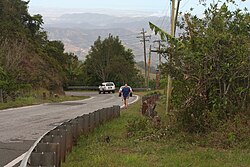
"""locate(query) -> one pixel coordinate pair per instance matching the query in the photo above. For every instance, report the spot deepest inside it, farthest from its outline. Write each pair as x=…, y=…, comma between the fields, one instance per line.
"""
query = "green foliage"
x=124, y=149
x=109, y=60
x=26, y=55
x=75, y=71
x=139, y=127
x=164, y=35
x=210, y=68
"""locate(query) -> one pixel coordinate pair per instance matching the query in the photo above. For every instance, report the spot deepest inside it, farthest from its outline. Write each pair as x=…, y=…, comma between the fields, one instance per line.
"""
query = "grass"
x=25, y=101
x=128, y=151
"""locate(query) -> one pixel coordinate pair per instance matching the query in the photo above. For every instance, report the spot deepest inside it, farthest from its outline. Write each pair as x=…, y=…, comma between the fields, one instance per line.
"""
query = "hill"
x=78, y=31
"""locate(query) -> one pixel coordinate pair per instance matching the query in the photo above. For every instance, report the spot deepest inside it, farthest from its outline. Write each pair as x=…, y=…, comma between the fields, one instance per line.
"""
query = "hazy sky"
x=157, y=6
x=112, y=4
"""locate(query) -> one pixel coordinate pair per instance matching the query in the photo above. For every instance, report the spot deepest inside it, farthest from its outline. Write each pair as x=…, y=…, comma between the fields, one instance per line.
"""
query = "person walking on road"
x=125, y=94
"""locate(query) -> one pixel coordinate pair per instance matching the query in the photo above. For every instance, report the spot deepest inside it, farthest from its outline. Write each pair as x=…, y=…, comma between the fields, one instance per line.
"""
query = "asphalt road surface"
x=21, y=127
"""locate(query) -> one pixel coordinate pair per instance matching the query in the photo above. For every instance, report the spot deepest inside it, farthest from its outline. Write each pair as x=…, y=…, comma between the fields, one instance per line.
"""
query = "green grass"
x=25, y=101
x=124, y=151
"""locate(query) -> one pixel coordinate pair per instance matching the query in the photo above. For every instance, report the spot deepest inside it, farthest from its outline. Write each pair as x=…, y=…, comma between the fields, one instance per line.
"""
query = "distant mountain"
x=78, y=31
x=101, y=21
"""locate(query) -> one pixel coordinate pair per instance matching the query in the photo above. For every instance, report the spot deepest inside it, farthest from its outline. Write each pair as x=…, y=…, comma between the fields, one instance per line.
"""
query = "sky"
x=112, y=4
x=162, y=7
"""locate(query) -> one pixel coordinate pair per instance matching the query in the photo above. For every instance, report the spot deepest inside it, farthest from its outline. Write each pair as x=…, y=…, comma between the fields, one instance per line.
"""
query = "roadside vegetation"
x=37, y=97
x=134, y=140
x=208, y=123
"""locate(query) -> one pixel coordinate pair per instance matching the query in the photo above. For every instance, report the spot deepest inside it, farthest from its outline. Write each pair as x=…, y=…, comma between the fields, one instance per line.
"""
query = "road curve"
x=21, y=127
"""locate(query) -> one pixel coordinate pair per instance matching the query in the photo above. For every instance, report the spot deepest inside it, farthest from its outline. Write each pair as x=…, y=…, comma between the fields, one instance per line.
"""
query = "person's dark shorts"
x=125, y=97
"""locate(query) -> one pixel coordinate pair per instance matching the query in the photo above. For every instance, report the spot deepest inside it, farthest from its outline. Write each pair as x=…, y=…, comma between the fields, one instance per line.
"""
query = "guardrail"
x=52, y=148
x=96, y=88
x=82, y=88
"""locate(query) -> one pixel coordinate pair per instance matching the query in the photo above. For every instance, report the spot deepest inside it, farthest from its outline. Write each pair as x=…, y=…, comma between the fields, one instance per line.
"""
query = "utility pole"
x=149, y=61
x=176, y=15
x=144, y=39
x=159, y=63
x=158, y=51
x=169, y=86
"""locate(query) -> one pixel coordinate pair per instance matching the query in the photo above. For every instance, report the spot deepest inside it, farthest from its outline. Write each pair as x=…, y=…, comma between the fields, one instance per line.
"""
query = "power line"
x=165, y=11
x=184, y=5
x=127, y=35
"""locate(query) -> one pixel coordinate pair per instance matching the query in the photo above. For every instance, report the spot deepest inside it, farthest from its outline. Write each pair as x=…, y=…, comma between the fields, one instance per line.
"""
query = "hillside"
x=79, y=31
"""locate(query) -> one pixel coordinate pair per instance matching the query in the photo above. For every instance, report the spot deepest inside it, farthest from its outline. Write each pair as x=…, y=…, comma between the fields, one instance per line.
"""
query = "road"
x=21, y=127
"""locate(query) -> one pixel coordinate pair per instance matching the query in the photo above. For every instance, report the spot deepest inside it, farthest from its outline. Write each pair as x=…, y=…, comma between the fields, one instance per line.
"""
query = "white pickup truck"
x=107, y=87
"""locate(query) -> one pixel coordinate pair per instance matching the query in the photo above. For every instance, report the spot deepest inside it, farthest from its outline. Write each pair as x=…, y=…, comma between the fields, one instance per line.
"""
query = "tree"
x=210, y=67
x=74, y=70
x=26, y=55
x=108, y=60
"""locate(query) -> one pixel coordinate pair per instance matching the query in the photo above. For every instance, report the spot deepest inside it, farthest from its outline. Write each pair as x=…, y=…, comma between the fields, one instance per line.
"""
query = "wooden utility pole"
x=144, y=39
x=158, y=51
x=169, y=86
x=176, y=15
x=159, y=63
x=149, y=61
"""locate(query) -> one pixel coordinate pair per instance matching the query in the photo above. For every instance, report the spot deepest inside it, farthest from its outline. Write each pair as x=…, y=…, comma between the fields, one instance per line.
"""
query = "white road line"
x=25, y=107
x=137, y=98
x=15, y=161
x=37, y=105
x=78, y=100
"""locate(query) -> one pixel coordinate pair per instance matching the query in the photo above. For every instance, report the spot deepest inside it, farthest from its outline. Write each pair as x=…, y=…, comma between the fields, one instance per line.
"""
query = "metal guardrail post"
x=85, y=123
x=109, y=113
x=91, y=121
x=69, y=136
x=58, y=139
x=50, y=147
x=117, y=111
x=73, y=126
x=43, y=159
x=80, y=125
x=104, y=111
x=97, y=118
x=113, y=112
x=77, y=125
x=101, y=116
x=59, y=131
